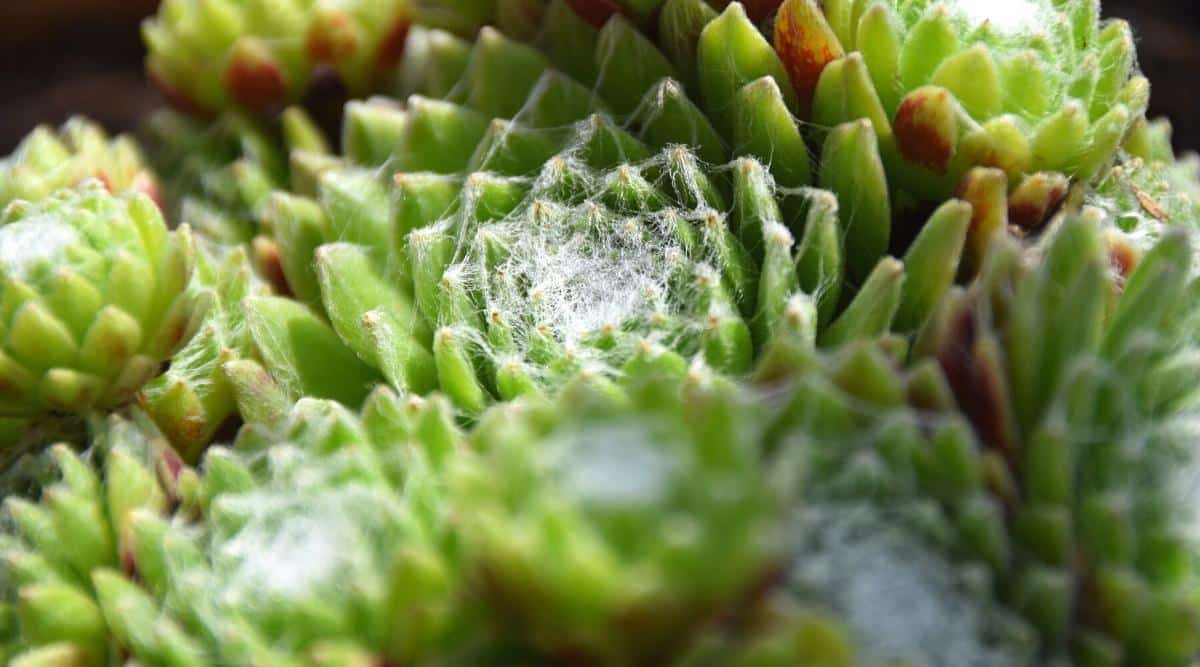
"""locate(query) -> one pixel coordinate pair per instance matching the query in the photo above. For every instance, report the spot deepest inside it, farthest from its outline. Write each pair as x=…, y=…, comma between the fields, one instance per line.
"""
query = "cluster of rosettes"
x=332, y=538
x=636, y=332
x=585, y=527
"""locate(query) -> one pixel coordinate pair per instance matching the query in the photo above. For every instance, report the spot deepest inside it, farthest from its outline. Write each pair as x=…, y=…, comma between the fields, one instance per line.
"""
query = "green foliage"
x=634, y=332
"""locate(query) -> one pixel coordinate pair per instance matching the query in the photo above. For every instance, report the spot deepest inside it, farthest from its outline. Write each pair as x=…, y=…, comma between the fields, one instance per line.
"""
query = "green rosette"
x=47, y=160
x=95, y=297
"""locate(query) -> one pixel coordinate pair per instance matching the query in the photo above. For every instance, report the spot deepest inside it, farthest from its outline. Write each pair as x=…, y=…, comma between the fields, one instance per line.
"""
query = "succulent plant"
x=95, y=294
x=1025, y=490
x=1086, y=431
x=1024, y=86
x=534, y=279
x=333, y=525
x=594, y=535
x=83, y=524
x=502, y=257
x=208, y=56
x=632, y=332
x=46, y=161
x=131, y=511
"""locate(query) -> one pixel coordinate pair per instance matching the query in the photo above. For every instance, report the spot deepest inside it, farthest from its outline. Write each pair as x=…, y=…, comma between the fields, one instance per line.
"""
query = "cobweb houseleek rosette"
x=590, y=524
x=424, y=232
x=1047, y=476
x=1089, y=431
x=529, y=281
x=159, y=570
x=94, y=298
x=83, y=524
x=1023, y=86
x=47, y=160
x=891, y=508
x=325, y=540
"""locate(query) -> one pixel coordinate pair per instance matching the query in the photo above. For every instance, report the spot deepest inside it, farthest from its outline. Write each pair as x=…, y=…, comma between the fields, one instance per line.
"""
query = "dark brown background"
x=59, y=57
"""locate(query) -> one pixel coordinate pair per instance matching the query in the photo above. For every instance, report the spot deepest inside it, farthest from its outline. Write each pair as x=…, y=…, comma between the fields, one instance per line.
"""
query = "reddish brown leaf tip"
x=806, y=46
x=332, y=37
x=254, y=79
x=391, y=49
x=925, y=129
x=1036, y=199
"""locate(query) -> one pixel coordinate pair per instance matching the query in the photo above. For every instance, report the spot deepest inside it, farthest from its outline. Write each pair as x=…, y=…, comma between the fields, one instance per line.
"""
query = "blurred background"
x=70, y=56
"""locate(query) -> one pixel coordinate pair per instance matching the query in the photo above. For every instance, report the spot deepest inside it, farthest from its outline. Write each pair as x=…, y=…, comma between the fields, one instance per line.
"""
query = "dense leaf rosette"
x=46, y=161
x=213, y=55
x=93, y=298
x=1024, y=86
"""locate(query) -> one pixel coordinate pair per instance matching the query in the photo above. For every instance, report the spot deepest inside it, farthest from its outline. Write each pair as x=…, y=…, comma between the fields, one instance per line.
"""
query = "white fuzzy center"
x=28, y=244
x=1009, y=16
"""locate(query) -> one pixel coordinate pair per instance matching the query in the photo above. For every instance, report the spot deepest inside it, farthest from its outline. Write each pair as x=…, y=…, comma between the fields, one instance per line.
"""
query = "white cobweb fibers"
x=595, y=273
x=580, y=269
x=904, y=602
x=608, y=464
x=30, y=249
x=301, y=549
x=288, y=547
